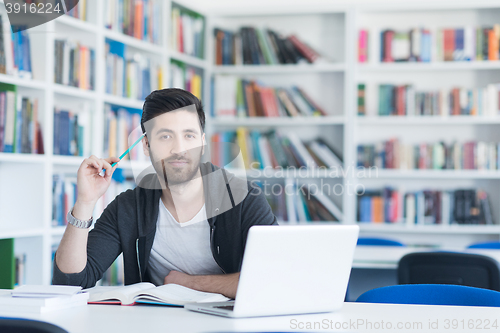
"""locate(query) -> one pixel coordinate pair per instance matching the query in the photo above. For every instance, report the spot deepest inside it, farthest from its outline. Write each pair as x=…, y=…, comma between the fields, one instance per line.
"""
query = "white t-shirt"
x=183, y=247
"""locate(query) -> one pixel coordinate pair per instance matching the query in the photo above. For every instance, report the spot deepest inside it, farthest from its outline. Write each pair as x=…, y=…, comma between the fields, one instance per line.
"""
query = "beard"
x=173, y=175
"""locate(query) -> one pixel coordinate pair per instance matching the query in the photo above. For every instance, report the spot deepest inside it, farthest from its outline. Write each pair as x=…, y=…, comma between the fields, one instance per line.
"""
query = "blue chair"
x=372, y=241
x=456, y=268
x=20, y=325
x=486, y=246
x=432, y=294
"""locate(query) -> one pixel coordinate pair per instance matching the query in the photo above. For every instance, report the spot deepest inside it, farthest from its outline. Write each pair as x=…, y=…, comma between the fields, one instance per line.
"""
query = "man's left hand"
x=178, y=278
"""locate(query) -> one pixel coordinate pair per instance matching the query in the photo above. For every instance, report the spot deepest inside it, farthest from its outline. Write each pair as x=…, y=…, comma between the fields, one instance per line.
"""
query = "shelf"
x=76, y=23
x=67, y=160
x=279, y=69
x=74, y=91
x=430, y=174
x=58, y=230
x=296, y=173
x=22, y=158
x=187, y=59
x=435, y=66
x=427, y=120
x=134, y=42
x=27, y=83
x=6, y=233
x=123, y=101
x=277, y=121
x=429, y=229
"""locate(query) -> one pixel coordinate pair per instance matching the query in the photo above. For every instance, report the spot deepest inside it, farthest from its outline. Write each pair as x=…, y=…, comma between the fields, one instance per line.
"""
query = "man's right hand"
x=90, y=185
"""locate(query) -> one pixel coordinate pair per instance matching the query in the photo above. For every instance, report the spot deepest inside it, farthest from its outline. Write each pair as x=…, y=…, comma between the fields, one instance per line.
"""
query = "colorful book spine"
x=120, y=131
x=425, y=207
x=186, y=77
x=405, y=100
x=448, y=44
x=272, y=150
x=71, y=133
x=77, y=9
x=131, y=75
x=20, y=130
x=237, y=97
x=15, y=51
x=392, y=154
x=254, y=46
x=74, y=65
x=140, y=19
x=187, y=31
x=64, y=192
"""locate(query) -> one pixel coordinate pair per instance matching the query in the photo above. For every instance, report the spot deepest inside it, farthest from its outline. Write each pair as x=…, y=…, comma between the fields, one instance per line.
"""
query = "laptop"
x=291, y=270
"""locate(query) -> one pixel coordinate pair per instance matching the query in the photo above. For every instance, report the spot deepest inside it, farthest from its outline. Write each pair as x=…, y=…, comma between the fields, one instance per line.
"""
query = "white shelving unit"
x=25, y=208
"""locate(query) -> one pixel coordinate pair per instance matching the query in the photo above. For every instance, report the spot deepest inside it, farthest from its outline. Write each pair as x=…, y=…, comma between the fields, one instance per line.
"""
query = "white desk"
x=152, y=319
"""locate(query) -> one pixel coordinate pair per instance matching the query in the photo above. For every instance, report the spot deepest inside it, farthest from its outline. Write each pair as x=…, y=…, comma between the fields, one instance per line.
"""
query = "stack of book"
x=130, y=75
x=74, y=64
x=40, y=299
x=15, y=51
x=460, y=44
x=137, y=18
x=404, y=100
x=64, y=192
x=391, y=154
x=234, y=96
x=20, y=130
x=120, y=131
x=77, y=9
x=272, y=150
x=71, y=133
x=426, y=207
x=293, y=204
x=254, y=46
x=188, y=31
x=186, y=77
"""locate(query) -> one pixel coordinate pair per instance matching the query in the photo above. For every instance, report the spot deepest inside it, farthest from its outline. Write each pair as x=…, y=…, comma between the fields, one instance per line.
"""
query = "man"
x=187, y=223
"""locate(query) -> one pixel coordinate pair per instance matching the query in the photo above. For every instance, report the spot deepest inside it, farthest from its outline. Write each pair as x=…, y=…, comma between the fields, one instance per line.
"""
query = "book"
x=187, y=31
x=261, y=46
x=74, y=64
x=467, y=43
x=140, y=19
x=186, y=77
x=145, y=292
x=36, y=303
x=391, y=154
x=130, y=74
x=425, y=207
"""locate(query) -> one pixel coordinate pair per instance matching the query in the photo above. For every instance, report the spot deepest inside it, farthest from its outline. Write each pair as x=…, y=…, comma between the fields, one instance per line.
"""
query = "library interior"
x=381, y=114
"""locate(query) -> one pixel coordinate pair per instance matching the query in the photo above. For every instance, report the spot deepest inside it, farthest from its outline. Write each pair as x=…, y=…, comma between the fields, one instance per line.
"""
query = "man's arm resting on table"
x=225, y=284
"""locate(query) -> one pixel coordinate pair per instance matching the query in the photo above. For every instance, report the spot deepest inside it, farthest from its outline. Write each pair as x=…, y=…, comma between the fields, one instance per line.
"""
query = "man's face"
x=176, y=145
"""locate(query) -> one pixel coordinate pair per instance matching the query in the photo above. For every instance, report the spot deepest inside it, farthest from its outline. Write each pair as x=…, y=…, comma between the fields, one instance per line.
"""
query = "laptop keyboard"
x=225, y=307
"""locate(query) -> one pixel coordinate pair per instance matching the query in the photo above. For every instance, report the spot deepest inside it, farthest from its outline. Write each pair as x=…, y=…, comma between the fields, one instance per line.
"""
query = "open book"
x=145, y=292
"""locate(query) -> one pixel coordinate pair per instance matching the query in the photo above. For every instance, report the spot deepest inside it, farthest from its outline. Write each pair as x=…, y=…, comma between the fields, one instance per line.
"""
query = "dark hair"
x=170, y=99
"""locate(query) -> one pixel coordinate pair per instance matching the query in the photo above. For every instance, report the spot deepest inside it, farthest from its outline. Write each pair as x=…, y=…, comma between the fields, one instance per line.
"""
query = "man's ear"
x=145, y=145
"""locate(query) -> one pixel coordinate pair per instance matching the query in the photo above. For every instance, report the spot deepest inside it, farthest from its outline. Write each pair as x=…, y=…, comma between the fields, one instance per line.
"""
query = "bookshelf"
x=330, y=29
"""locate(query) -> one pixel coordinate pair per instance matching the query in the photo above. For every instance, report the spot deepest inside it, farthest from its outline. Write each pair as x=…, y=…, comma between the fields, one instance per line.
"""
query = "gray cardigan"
x=128, y=226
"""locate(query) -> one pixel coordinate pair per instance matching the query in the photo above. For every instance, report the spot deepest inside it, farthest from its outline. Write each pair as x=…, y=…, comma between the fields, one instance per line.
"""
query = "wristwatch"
x=78, y=223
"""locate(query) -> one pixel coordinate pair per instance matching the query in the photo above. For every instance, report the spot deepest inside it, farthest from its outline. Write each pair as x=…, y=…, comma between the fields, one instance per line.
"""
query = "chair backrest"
x=372, y=241
x=489, y=245
x=432, y=294
x=19, y=325
x=465, y=269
